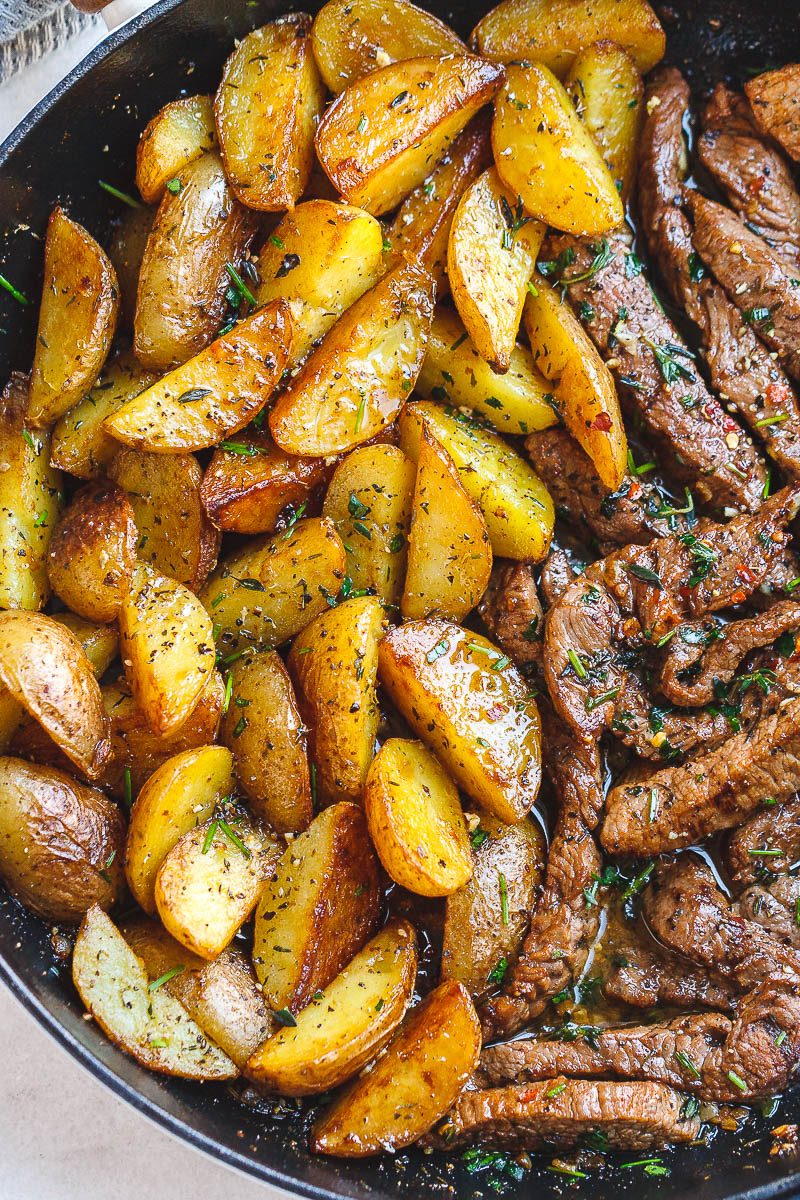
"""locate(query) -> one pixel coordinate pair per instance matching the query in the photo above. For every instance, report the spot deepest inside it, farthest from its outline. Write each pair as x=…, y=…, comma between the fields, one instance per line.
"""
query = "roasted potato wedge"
x=412, y=1086
x=554, y=31
x=149, y=1023
x=178, y=796
x=355, y=383
x=100, y=642
x=515, y=504
x=334, y=664
x=321, y=258
x=318, y=910
x=197, y=231
x=77, y=319
x=352, y=39
x=369, y=499
x=270, y=84
x=215, y=393
x=80, y=442
x=547, y=158
x=382, y=136
x=584, y=392
x=470, y=704
x=12, y=715
x=178, y=134
x=44, y=668
x=93, y=552
x=519, y=401
x=29, y=503
x=491, y=255
x=175, y=535
x=250, y=483
x=60, y=842
x=449, y=553
x=211, y=879
x=608, y=93
x=268, y=592
x=345, y=1025
x=415, y=820
x=167, y=648
x=267, y=738
x=126, y=251
x=487, y=919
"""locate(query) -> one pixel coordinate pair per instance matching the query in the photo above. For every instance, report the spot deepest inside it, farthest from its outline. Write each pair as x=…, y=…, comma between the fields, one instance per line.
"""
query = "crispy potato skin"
x=178, y=134
x=60, y=842
x=180, y=301
x=93, y=552
x=608, y=93
x=270, y=84
x=77, y=319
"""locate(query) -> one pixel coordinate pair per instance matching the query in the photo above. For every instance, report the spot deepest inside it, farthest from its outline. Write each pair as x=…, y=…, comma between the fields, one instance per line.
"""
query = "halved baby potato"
x=383, y=135
x=415, y=820
x=147, y=1022
x=357, y=380
x=608, y=94
x=77, y=319
x=266, y=108
x=178, y=134
x=318, y=910
x=345, y=1024
x=411, y=1086
x=126, y=248
x=100, y=642
x=93, y=552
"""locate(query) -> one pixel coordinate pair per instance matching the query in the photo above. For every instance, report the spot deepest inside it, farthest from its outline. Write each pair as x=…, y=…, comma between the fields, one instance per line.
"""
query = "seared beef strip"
x=564, y=563
x=775, y=100
x=561, y=1113
x=751, y=850
x=649, y=977
x=775, y=907
x=657, y=379
x=512, y=612
x=742, y=370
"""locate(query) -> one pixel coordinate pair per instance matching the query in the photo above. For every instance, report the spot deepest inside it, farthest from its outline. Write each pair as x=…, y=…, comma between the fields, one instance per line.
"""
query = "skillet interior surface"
x=87, y=130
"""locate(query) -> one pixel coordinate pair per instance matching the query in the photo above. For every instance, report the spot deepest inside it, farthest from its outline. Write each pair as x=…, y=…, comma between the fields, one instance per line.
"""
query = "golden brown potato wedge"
x=554, y=31
x=266, y=109
x=268, y=592
x=454, y=374
x=198, y=230
x=546, y=156
x=45, y=669
x=12, y=716
x=250, y=483
x=449, y=553
x=29, y=503
x=470, y=704
x=369, y=499
x=267, y=738
x=178, y=134
x=178, y=796
x=147, y=1022
x=93, y=552
x=167, y=648
x=321, y=258
x=346, y=1024
x=77, y=319
x=491, y=255
x=211, y=879
x=584, y=393
x=334, y=664
x=60, y=842
x=318, y=910
x=421, y=226
x=354, y=384
x=175, y=535
x=382, y=136
x=126, y=251
x=415, y=820
x=350, y=39
x=515, y=504
x=215, y=393
x=100, y=642
x=487, y=919
x=412, y=1086
x=608, y=93
x=80, y=442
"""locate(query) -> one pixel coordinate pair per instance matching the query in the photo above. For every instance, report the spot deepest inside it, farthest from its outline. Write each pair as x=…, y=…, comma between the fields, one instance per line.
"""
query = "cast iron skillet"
x=86, y=130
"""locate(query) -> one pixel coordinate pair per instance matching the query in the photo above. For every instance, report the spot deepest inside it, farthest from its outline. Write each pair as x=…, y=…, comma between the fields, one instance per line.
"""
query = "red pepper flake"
x=709, y=410
x=739, y=597
x=685, y=592
x=602, y=422
x=634, y=490
x=744, y=572
x=729, y=425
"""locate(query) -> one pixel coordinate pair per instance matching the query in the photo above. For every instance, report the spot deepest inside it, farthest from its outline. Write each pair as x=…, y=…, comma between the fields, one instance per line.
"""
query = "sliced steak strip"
x=561, y=1113
x=658, y=381
x=775, y=907
x=742, y=370
x=648, y=978
x=767, y=844
x=512, y=612
x=755, y=277
x=775, y=100
x=564, y=563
